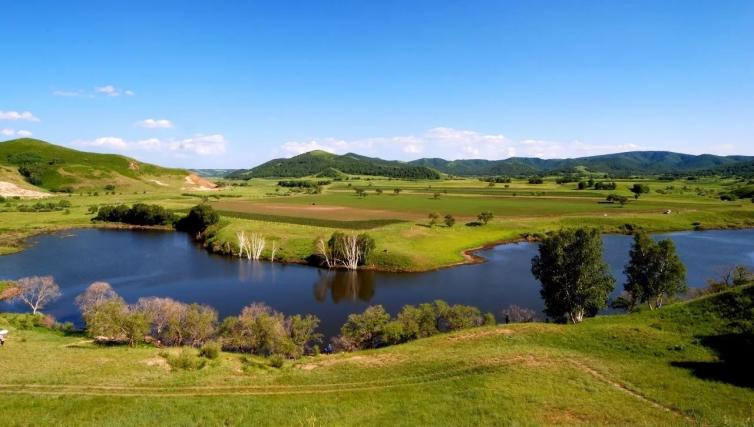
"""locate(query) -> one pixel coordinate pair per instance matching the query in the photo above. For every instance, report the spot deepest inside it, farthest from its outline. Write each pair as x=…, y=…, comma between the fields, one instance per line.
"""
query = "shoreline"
x=470, y=256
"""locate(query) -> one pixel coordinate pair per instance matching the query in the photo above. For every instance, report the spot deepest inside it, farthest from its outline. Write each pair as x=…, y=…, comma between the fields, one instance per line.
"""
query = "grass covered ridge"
x=665, y=367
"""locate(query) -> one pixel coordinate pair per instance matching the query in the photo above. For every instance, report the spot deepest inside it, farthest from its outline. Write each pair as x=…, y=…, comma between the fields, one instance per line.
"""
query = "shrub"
x=364, y=330
x=516, y=314
x=198, y=219
x=210, y=350
x=185, y=360
x=277, y=361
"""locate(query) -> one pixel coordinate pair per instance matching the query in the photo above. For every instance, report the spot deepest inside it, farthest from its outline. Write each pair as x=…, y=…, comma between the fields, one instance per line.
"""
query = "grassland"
x=666, y=367
x=399, y=222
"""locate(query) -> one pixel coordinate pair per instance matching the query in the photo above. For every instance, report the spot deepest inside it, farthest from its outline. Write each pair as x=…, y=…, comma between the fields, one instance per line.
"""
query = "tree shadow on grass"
x=735, y=353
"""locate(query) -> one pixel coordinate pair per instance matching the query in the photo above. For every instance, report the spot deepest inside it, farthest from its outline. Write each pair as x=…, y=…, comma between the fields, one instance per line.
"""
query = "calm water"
x=165, y=264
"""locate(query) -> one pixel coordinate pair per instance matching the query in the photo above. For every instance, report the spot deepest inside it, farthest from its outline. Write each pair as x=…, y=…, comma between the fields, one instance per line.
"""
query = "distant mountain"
x=213, y=173
x=328, y=164
x=56, y=168
x=634, y=162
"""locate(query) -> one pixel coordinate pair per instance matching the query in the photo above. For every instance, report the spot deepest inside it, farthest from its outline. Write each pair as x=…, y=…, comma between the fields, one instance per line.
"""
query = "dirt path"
x=630, y=391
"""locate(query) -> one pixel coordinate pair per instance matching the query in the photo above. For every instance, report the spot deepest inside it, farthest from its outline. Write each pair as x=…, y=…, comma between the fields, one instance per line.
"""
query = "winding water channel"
x=139, y=263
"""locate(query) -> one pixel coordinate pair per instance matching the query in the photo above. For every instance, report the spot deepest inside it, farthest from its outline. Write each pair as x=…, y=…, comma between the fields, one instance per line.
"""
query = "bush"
x=138, y=214
x=516, y=314
x=277, y=361
x=185, y=360
x=198, y=219
x=210, y=350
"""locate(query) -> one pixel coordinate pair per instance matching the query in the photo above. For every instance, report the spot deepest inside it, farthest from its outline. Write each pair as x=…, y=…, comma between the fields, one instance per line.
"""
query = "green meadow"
x=673, y=366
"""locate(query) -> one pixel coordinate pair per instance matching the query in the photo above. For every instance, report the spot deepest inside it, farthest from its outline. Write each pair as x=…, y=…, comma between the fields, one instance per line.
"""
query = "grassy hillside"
x=327, y=164
x=53, y=167
x=629, y=163
x=668, y=367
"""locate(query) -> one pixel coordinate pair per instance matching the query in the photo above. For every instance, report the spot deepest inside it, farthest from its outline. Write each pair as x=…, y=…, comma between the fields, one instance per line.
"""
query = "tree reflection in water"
x=344, y=285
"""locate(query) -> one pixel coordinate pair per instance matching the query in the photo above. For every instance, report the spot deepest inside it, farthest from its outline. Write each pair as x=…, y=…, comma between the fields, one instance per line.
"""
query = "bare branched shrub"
x=95, y=294
x=516, y=314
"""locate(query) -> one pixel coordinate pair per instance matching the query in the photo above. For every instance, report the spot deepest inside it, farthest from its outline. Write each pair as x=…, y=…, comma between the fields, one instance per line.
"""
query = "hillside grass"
x=64, y=167
x=648, y=368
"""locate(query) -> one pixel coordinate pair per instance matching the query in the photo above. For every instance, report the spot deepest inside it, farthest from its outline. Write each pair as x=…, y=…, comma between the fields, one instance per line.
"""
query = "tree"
x=575, y=279
x=378, y=191
x=397, y=191
x=639, y=189
x=364, y=330
x=654, y=271
x=485, y=217
x=433, y=217
x=450, y=221
x=436, y=196
x=616, y=198
x=96, y=294
x=346, y=250
x=36, y=291
x=198, y=219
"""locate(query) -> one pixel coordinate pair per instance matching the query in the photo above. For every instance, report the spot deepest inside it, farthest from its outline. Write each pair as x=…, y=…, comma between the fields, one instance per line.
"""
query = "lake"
x=165, y=264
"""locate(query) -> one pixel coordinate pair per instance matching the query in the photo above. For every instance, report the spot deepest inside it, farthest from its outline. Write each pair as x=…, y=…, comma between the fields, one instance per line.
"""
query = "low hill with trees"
x=328, y=164
x=57, y=168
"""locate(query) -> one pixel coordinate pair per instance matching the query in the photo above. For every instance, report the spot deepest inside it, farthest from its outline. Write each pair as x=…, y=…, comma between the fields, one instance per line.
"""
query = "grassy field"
x=666, y=367
x=399, y=222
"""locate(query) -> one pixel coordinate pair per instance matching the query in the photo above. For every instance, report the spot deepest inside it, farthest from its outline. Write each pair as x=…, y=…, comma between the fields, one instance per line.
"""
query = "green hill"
x=57, y=168
x=328, y=164
x=621, y=164
x=685, y=364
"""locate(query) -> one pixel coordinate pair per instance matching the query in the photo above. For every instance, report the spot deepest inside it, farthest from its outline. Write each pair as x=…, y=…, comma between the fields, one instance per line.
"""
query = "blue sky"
x=232, y=84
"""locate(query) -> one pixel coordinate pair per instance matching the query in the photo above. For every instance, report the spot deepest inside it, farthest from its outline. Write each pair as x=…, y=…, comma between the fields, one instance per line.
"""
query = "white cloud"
x=155, y=124
x=12, y=132
x=111, y=90
x=108, y=90
x=68, y=93
x=202, y=145
x=107, y=141
x=451, y=143
x=15, y=115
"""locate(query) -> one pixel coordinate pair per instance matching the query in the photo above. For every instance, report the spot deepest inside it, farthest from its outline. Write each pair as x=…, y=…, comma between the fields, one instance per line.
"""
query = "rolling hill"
x=322, y=162
x=57, y=168
x=634, y=162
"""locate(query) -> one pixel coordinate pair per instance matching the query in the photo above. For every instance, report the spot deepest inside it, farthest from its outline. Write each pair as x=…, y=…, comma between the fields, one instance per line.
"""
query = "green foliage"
x=263, y=331
x=654, y=271
x=185, y=360
x=639, y=189
x=210, y=350
x=276, y=361
x=449, y=220
x=198, y=219
x=338, y=246
x=45, y=206
x=575, y=279
x=303, y=183
x=617, y=198
x=138, y=214
x=374, y=328
x=485, y=217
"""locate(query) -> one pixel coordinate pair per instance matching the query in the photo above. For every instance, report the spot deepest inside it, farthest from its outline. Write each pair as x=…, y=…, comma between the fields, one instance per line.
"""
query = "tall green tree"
x=575, y=279
x=654, y=271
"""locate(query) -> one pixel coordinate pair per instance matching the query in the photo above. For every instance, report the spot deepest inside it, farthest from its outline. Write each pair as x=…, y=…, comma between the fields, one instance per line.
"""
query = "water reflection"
x=344, y=286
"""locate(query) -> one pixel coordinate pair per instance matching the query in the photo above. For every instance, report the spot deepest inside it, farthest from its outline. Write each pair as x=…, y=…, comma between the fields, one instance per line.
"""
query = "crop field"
x=399, y=222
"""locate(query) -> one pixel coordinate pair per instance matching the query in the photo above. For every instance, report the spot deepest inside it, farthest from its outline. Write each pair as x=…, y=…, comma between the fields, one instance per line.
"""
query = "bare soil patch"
x=8, y=189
